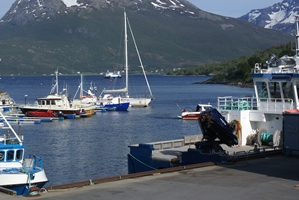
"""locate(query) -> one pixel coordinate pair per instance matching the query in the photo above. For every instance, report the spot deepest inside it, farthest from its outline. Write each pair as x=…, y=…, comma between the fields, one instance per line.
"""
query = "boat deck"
x=168, y=151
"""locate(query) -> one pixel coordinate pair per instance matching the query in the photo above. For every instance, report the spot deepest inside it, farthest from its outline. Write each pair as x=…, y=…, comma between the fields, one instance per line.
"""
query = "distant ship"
x=112, y=75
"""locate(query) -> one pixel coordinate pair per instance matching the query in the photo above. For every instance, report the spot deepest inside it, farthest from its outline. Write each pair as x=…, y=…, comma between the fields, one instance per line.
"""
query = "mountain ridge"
x=86, y=38
x=280, y=16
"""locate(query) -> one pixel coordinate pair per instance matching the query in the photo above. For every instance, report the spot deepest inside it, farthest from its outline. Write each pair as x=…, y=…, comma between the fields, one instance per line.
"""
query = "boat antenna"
x=56, y=82
x=55, y=86
x=297, y=35
x=10, y=127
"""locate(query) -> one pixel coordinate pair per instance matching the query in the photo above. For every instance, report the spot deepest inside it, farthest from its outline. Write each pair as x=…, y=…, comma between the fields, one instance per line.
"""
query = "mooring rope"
x=142, y=162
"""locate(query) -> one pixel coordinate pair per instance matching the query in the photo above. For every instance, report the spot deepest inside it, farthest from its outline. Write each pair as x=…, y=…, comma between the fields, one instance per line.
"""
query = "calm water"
x=88, y=148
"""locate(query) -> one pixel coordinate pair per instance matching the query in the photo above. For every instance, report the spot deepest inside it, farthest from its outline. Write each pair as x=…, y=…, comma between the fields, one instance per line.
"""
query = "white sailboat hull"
x=138, y=102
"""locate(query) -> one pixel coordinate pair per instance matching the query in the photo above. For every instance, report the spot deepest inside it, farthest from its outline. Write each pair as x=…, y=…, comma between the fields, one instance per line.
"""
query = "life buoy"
x=237, y=130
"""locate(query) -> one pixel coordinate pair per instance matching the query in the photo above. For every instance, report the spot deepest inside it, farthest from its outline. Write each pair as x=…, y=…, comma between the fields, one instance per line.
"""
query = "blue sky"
x=232, y=8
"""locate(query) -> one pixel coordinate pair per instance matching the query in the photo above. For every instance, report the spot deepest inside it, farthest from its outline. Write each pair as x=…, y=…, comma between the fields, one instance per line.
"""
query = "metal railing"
x=186, y=140
x=253, y=103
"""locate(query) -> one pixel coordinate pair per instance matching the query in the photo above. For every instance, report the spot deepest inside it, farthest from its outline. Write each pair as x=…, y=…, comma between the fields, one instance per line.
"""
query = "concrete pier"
x=273, y=177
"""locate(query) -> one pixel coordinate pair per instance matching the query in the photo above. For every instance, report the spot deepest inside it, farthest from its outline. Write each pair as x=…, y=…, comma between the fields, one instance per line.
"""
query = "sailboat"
x=100, y=103
x=142, y=101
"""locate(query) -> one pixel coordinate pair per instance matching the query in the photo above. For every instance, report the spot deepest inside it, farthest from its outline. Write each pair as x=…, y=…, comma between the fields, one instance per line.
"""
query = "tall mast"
x=126, y=55
x=297, y=36
x=81, y=87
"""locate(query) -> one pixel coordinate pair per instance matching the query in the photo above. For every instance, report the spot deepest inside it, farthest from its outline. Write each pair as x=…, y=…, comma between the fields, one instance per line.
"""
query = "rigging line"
x=139, y=58
x=142, y=162
x=178, y=106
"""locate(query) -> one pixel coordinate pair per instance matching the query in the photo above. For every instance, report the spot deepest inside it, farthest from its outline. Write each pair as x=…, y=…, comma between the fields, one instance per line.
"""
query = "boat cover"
x=214, y=126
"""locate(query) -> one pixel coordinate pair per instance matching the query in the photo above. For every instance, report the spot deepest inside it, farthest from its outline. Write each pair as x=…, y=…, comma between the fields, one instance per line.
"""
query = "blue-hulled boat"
x=110, y=103
x=17, y=173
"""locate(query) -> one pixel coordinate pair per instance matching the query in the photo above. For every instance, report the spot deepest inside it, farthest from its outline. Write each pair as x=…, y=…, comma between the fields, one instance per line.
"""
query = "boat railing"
x=33, y=162
x=277, y=70
x=186, y=140
x=253, y=103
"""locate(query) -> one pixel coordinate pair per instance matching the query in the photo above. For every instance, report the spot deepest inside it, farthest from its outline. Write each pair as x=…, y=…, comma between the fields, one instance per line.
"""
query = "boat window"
x=43, y=102
x=39, y=103
x=48, y=102
x=19, y=154
x=52, y=102
x=288, y=92
x=262, y=90
x=275, y=90
x=2, y=154
x=297, y=88
x=10, y=155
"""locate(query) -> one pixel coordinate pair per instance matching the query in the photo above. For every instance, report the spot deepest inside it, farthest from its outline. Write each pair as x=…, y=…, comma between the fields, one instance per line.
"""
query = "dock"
x=21, y=119
x=268, y=177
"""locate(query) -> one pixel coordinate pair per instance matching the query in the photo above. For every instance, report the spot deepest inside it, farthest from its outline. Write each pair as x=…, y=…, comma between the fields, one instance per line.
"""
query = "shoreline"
x=240, y=84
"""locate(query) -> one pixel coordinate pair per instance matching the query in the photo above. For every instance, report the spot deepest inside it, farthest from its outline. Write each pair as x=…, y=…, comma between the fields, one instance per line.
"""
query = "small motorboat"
x=194, y=114
x=112, y=75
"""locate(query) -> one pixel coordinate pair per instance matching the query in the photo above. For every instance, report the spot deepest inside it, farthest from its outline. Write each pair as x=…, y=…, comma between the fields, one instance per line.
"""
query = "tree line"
x=239, y=69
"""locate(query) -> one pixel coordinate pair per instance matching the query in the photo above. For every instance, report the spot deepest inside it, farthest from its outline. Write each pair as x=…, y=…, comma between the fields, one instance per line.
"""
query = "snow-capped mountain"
x=23, y=11
x=280, y=16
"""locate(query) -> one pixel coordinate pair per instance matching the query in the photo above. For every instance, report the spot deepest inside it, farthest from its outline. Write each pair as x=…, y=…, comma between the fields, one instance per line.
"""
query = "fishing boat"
x=112, y=75
x=55, y=102
x=49, y=113
x=17, y=173
x=143, y=100
x=240, y=127
x=194, y=114
x=86, y=109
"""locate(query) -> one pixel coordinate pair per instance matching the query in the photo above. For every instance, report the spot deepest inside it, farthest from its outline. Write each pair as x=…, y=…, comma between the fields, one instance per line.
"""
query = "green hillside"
x=238, y=69
x=92, y=41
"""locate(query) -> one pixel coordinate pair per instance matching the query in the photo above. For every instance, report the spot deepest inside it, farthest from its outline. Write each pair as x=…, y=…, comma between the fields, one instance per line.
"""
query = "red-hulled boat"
x=37, y=113
x=194, y=114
